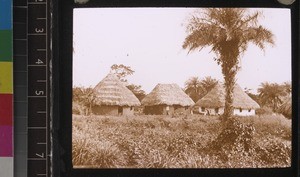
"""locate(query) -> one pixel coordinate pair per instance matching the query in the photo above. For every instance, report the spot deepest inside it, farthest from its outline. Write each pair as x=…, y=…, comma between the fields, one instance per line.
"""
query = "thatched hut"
x=167, y=99
x=213, y=102
x=286, y=108
x=113, y=97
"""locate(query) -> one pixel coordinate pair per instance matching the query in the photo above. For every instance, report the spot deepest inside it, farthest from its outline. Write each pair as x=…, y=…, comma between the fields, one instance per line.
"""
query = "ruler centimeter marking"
x=38, y=135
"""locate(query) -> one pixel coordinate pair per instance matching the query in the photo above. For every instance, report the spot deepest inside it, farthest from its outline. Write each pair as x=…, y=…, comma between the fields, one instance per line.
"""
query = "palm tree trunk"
x=229, y=87
x=229, y=58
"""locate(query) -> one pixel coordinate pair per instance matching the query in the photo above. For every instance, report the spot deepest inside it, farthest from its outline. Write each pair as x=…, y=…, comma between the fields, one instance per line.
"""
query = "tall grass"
x=181, y=142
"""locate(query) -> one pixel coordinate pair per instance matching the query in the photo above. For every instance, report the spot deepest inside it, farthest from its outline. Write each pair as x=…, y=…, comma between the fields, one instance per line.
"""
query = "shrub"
x=76, y=108
x=264, y=111
x=102, y=154
x=273, y=152
x=276, y=125
x=235, y=138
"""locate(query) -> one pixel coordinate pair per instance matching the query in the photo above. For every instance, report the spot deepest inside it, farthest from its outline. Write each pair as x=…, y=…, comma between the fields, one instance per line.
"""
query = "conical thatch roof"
x=168, y=94
x=286, y=107
x=111, y=91
x=216, y=98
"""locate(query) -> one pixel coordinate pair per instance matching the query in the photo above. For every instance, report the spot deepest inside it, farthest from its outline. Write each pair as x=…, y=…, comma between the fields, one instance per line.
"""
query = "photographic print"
x=181, y=88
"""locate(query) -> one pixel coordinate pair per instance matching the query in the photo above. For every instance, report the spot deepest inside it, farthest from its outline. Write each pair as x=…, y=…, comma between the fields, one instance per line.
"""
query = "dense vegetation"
x=181, y=142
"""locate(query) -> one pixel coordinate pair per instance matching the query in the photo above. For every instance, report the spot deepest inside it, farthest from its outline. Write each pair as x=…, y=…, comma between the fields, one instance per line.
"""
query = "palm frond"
x=204, y=35
x=259, y=36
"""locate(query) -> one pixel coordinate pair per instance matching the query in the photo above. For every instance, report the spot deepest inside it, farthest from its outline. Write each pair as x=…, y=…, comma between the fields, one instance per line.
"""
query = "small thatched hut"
x=213, y=103
x=167, y=99
x=286, y=108
x=114, y=98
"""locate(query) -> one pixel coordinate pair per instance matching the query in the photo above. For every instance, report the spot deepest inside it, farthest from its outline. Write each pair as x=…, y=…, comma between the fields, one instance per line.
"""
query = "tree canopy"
x=137, y=91
x=121, y=71
x=273, y=94
x=84, y=97
x=197, y=88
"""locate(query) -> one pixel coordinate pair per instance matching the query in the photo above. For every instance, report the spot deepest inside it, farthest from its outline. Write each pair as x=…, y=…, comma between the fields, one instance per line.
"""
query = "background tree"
x=121, y=71
x=196, y=88
x=228, y=32
x=287, y=87
x=193, y=88
x=84, y=97
x=272, y=94
x=137, y=91
x=207, y=84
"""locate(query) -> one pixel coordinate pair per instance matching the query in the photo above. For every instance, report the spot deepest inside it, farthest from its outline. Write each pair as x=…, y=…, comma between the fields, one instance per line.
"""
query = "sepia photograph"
x=181, y=88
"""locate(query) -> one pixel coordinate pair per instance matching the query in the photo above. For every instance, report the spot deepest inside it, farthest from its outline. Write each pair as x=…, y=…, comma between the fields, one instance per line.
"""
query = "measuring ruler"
x=31, y=54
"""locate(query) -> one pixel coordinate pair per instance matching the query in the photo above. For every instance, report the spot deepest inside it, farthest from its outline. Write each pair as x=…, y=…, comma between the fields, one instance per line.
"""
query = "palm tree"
x=193, y=88
x=207, y=84
x=228, y=31
x=272, y=94
x=196, y=88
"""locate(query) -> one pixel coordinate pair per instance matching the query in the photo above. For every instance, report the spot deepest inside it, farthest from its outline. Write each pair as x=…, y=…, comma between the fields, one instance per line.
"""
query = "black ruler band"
x=38, y=95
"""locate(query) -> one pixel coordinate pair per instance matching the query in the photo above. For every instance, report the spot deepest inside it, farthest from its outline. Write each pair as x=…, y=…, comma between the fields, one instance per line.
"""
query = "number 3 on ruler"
x=39, y=62
x=37, y=30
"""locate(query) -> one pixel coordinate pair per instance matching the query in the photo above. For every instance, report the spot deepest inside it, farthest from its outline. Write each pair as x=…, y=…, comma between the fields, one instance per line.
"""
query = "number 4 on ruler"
x=39, y=62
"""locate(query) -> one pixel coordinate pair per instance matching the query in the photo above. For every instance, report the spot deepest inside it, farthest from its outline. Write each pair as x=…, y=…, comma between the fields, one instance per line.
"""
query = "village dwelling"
x=167, y=99
x=114, y=98
x=213, y=103
x=286, y=107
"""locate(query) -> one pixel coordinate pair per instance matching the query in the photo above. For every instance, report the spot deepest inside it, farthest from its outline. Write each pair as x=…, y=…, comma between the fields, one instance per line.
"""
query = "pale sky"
x=150, y=41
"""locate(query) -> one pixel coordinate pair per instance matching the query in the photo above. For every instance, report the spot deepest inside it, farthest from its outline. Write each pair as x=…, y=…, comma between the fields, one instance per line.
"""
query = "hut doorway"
x=120, y=110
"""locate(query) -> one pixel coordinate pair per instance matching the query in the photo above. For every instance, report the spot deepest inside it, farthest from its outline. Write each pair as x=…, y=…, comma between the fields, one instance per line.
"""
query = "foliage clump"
x=235, y=138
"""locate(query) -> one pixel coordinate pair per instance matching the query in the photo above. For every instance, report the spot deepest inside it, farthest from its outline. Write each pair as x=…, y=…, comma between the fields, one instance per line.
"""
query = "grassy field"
x=182, y=142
